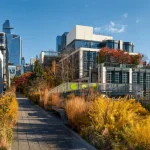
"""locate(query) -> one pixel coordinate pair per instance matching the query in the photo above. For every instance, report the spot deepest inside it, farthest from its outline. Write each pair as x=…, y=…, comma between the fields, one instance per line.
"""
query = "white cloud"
x=137, y=21
x=112, y=23
x=112, y=27
x=125, y=15
x=97, y=29
x=115, y=28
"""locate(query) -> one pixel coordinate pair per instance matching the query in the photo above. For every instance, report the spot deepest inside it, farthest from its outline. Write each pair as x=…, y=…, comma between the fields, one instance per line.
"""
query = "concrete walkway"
x=39, y=130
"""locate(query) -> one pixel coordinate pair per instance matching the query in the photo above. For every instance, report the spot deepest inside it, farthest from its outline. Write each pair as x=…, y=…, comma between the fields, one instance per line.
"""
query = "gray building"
x=113, y=73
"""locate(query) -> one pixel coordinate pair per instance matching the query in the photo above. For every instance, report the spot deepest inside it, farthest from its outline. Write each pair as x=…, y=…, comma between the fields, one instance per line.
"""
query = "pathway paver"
x=39, y=130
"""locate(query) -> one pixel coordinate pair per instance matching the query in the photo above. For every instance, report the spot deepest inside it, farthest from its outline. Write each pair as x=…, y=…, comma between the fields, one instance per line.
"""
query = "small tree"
x=38, y=70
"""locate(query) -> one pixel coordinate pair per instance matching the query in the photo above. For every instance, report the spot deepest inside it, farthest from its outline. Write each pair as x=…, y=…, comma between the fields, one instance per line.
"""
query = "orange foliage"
x=118, y=56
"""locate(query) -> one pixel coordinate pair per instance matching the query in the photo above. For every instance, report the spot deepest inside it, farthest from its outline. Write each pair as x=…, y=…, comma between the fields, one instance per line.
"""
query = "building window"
x=148, y=96
x=115, y=45
x=85, y=66
x=147, y=81
x=109, y=45
x=129, y=47
x=141, y=80
x=125, y=77
x=96, y=45
x=109, y=77
x=91, y=65
x=135, y=77
x=117, y=77
x=85, y=56
x=91, y=56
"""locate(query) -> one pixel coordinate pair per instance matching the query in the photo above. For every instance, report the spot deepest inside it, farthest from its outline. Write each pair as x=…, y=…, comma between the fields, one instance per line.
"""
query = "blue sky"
x=38, y=22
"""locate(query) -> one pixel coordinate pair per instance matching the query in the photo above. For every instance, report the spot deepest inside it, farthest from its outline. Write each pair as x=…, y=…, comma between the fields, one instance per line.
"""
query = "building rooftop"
x=85, y=33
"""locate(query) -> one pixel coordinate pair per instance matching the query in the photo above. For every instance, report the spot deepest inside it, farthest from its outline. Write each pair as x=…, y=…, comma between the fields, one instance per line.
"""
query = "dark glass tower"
x=14, y=43
x=58, y=43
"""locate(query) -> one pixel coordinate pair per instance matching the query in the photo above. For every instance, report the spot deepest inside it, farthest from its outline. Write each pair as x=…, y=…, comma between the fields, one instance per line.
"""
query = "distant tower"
x=14, y=44
x=6, y=27
x=22, y=61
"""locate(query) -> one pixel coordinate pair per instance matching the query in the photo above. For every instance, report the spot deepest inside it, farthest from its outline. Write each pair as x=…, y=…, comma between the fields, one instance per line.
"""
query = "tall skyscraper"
x=14, y=43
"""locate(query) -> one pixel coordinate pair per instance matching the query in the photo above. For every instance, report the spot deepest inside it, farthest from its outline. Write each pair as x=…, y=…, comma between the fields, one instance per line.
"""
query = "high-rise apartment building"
x=14, y=43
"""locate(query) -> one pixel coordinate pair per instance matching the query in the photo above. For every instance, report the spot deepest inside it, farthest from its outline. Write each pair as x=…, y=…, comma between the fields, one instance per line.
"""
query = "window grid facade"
x=135, y=77
x=142, y=80
x=109, y=77
x=89, y=60
x=117, y=77
x=125, y=77
x=147, y=81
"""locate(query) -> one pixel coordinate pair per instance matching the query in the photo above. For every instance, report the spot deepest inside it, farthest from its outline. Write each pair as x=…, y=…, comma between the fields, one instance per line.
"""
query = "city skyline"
x=39, y=28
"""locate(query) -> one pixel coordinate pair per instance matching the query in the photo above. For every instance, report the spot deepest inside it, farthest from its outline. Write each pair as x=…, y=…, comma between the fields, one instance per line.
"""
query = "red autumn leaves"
x=22, y=79
x=118, y=56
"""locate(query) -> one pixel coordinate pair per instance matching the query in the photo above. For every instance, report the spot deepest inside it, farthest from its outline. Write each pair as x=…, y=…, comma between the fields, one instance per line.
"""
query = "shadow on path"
x=39, y=130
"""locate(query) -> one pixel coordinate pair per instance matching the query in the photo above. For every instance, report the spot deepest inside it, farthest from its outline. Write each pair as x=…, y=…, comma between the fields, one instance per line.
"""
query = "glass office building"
x=76, y=44
x=58, y=43
x=14, y=43
x=112, y=44
x=128, y=47
x=61, y=42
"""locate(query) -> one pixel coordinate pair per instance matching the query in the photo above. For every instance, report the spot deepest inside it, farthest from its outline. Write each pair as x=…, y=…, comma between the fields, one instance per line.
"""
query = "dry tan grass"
x=92, y=95
x=45, y=98
x=57, y=101
x=77, y=109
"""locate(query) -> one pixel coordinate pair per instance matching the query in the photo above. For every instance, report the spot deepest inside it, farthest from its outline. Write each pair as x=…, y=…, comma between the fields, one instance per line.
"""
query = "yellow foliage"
x=139, y=134
x=114, y=115
x=111, y=124
x=8, y=118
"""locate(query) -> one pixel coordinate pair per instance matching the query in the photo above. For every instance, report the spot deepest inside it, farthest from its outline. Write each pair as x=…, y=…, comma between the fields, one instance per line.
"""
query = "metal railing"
x=104, y=88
